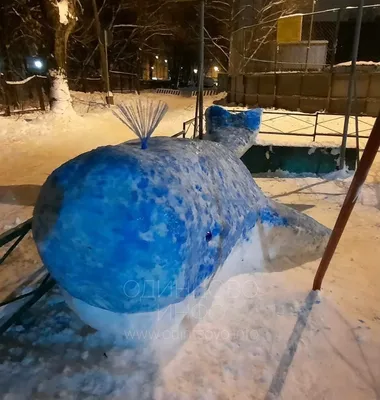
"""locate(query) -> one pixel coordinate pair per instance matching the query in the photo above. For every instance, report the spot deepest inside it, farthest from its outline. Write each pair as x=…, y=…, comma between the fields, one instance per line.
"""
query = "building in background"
x=256, y=46
x=155, y=68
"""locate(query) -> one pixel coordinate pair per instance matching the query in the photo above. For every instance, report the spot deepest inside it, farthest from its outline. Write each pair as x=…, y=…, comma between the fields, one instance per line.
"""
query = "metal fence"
x=120, y=82
x=42, y=281
x=314, y=125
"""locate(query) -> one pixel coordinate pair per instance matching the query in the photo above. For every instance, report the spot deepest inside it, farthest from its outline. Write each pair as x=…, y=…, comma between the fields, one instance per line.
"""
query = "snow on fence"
x=30, y=94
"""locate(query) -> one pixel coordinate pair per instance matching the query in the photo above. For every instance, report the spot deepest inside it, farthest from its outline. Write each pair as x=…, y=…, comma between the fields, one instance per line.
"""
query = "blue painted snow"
x=235, y=130
x=131, y=230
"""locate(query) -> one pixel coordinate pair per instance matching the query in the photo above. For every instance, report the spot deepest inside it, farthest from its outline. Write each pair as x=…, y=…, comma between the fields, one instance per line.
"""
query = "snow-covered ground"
x=265, y=337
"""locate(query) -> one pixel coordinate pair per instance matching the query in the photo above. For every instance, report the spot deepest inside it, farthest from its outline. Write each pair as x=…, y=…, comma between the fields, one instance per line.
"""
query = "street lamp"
x=38, y=64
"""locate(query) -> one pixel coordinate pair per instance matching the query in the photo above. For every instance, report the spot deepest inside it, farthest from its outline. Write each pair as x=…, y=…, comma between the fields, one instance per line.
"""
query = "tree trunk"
x=62, y=17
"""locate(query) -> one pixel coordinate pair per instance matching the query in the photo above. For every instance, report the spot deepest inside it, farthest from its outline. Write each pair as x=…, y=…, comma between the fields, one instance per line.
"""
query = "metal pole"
x=310, y=35
x=355, y=50
x=109, y=95
x=333, y=56
x=336, y=39
x=360, y=176
x=101, y=46
x=201, y=66
x=356, y=122
x=46, y=285
x=196, y=118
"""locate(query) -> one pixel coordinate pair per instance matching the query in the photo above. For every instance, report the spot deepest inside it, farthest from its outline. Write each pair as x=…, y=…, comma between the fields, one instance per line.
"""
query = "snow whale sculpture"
x=137, y=237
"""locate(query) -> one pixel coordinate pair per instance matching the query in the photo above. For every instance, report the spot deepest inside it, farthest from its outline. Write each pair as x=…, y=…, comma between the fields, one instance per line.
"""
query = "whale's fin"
x=235, y=130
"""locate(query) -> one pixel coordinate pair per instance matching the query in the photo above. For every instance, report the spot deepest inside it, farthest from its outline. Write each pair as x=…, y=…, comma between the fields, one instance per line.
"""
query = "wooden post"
x=84, y=83
x=40, y=92
x=121, y=82
x=109, y=95
x=360, y=176
x=137, y=84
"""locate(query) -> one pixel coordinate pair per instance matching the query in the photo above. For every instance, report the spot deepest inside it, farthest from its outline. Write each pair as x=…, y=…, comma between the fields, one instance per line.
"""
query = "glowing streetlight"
x=166, y=61
x=38, y=64
x=156, y=57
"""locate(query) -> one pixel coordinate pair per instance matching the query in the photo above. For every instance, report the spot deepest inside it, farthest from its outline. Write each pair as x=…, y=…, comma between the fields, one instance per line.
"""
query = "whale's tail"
x=299, y=240
x=235, y=130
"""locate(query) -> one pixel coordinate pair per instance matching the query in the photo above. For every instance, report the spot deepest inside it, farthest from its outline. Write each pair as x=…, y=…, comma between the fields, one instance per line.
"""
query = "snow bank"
x=332, y=176
x=265, y=336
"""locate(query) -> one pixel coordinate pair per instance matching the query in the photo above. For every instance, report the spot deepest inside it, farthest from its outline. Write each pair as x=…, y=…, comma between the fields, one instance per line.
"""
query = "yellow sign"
x=289, y=29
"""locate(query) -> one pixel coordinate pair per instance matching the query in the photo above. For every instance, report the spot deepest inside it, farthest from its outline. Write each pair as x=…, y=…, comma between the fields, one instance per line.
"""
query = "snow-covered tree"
x=62, y=17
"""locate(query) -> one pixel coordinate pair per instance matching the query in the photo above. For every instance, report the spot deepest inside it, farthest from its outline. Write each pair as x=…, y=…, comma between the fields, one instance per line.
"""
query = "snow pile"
x=60, y=94
x=262, y=338
x=332, y=176
x=339, y=175
x=63, y=9
x=358, y=63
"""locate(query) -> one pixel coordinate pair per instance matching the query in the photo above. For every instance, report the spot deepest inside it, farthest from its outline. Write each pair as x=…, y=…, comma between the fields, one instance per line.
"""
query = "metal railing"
x=45, y=284
x=312, y=126
x=189, y=130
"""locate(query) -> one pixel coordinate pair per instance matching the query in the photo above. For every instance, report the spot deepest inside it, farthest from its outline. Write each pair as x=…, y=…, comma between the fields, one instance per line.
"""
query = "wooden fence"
x=32, y=93
x=307, y=92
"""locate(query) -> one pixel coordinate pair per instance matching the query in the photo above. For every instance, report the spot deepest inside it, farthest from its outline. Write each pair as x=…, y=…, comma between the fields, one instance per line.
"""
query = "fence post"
x=3, y=85
x=40, y=93
x=121, y=83
x=315, y=127
x=84, y=84
x=137, y=84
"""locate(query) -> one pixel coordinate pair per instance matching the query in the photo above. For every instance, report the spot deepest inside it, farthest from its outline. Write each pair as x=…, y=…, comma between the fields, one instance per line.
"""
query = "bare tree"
x=62, y=17
x=248, y=30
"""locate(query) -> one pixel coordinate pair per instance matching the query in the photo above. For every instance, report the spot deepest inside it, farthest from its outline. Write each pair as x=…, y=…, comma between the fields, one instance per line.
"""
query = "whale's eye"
x=208, y=236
